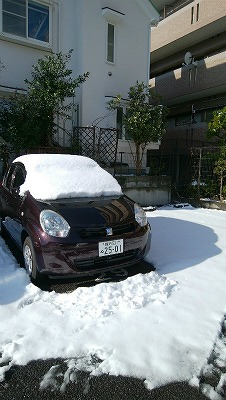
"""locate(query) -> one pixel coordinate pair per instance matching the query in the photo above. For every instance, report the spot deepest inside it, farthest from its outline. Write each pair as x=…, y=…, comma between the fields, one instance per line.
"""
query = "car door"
x=11, y=201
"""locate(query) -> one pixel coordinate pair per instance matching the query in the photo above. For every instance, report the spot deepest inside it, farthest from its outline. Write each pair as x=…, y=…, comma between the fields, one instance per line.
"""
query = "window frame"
x=18, y=172
x=183, y=119
x=108, y=43
x=26, y=39
x=8, y=178
x=123, y=134
x=197, y=12
x=192, y=15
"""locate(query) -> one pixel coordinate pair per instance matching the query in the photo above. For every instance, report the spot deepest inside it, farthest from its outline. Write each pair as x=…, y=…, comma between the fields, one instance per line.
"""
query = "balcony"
x=203, y=78
x=188, y=26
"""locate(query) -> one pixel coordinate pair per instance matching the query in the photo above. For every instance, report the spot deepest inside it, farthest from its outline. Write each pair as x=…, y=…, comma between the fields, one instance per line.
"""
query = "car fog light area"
x=54, y=224
x=140, y=215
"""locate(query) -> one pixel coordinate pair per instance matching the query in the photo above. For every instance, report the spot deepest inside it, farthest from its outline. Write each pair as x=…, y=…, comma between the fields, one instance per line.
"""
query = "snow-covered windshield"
x=55, y=176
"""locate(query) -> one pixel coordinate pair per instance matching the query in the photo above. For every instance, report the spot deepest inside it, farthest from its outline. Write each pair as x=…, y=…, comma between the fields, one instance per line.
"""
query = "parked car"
x=69, y=217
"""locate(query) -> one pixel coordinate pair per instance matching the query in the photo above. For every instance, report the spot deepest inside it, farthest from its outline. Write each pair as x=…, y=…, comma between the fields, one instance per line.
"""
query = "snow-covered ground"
x=160, y=326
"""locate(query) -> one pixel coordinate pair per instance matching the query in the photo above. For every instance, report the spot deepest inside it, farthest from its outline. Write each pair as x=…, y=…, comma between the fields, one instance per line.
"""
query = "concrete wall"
x=147, y=190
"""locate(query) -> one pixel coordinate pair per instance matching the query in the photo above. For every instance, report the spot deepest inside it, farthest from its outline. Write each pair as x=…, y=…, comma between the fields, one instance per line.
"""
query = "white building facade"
x=110, y=39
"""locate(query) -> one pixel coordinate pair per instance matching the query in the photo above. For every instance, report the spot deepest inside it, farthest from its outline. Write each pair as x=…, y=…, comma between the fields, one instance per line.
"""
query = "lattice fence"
x=99, y=144
x=203, y=162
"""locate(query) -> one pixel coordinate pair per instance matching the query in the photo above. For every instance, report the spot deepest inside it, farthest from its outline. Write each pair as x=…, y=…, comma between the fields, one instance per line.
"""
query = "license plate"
x=110, y=247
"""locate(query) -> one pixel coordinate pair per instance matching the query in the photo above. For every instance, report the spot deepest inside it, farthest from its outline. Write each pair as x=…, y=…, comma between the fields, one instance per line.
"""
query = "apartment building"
x=188, y=69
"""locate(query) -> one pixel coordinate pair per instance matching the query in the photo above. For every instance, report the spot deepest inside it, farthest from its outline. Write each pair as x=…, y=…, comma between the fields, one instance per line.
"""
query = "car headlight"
x=140, y=215
x=54, y=224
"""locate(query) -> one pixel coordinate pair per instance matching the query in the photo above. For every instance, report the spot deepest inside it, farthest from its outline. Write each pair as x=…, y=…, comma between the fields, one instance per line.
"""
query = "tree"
x=30, y=120
x=217, y=129
x=217, y=126
x=220, y=169
x=4, y=154
x=144, y=118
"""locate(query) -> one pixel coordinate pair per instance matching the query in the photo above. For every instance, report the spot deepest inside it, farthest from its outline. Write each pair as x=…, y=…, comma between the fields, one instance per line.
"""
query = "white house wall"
x=80, y=25
x=106, y=79
x=18, y=56
x=83, y=29
x=17, y=61
x=131, y=55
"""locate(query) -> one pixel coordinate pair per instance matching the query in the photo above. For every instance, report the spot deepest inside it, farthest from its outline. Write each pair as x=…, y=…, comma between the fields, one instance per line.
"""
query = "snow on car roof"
x=55, y=176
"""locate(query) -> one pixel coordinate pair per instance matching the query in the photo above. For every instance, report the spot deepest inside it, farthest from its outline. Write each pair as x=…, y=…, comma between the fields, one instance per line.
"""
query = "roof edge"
x=149, y=10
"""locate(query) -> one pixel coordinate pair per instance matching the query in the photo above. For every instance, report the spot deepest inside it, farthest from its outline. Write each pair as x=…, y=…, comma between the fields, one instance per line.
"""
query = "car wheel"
x=30, y=263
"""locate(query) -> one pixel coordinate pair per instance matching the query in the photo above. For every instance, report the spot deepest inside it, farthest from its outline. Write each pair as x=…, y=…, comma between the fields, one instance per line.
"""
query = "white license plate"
x=110, y=247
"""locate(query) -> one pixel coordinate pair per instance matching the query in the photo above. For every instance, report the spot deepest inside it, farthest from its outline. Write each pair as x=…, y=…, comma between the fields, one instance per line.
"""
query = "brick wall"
x=208, y=74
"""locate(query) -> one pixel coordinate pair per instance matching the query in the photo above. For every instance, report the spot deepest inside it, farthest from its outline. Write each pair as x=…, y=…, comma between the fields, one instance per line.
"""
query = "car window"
x=14, y=178
x=8, y=177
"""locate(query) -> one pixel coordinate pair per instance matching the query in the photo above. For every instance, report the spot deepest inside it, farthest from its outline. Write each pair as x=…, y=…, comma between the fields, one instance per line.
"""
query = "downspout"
x=149, y=54
x=56, y=45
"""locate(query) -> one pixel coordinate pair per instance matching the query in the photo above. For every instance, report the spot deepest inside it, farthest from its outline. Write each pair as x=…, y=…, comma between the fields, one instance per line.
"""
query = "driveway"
x=23, y=383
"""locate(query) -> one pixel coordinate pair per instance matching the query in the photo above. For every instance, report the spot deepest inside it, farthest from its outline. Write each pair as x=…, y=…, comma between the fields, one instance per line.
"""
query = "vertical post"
x=121, y=153
x=199, y=172
x=96, y=144
x=176, y=163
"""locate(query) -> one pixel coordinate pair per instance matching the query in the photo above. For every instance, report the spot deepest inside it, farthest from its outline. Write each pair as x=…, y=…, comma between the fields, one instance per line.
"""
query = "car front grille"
x=89, y=233
x=108, y=261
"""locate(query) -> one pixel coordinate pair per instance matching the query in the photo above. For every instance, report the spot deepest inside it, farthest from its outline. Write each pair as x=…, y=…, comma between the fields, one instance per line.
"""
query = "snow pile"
x=159, y=326
x=54, y=176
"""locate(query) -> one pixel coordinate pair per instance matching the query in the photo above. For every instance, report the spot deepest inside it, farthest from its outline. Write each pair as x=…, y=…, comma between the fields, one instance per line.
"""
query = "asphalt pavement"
x=23, y=383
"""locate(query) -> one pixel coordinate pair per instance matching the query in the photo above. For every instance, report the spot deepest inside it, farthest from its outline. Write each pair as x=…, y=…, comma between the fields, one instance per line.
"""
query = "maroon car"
x=69, y=217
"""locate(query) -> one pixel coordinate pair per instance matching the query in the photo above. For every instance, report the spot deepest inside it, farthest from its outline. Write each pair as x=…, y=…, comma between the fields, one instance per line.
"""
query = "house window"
x=190, y=76
x=123, y=133
x=207, y=115
x=111, y=43
x=184, y=119
x=195, y=74
x=26, y=18
x=197, y=13
x=192, y=15
x=195, y=16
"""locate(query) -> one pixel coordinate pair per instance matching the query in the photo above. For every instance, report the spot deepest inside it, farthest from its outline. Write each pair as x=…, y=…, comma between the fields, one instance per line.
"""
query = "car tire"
x=30, y=262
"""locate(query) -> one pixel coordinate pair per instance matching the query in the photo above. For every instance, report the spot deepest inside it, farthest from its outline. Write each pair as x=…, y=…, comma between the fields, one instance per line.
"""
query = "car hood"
x=96, y=211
